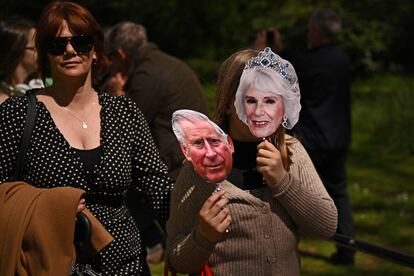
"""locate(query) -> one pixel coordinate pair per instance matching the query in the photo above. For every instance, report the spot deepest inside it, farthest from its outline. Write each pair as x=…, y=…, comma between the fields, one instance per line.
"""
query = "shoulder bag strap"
x=24, y=142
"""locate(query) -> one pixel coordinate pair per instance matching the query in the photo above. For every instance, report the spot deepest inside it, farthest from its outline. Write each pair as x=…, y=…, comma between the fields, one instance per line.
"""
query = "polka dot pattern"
x=129, y=158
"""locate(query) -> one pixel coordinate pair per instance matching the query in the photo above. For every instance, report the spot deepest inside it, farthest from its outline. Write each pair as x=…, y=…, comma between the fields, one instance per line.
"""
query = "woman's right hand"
x=214, y=217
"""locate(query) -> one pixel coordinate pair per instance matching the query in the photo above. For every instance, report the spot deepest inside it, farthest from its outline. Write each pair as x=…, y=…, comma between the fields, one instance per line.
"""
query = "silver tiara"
x=268, y=59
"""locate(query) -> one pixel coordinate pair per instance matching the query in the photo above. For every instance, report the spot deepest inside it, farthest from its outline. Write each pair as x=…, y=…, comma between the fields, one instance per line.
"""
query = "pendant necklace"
x=84, y=124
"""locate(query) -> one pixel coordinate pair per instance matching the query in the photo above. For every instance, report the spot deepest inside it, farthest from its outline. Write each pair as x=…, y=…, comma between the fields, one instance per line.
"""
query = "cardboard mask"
x=268, y=94
x=263, y=111
x=204, y=144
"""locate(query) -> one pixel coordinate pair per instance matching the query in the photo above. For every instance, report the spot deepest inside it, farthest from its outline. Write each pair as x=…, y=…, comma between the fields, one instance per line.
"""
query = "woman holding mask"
x=85, y=139
x=272, y=193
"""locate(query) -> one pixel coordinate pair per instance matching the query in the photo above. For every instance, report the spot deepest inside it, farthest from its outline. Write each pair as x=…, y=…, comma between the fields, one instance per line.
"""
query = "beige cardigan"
x=264, y=233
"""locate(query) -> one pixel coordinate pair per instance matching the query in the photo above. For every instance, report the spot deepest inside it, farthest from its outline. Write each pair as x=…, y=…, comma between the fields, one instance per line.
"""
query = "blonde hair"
x=227, y=84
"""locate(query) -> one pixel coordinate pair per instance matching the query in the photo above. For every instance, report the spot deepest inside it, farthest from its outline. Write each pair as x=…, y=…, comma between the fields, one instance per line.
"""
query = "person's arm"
x=12, y=120
x=305, y=198
x=115, y=84
x=198, y=220
x=187, y=253
x=149, y=173
x=303, y=195
x=269, y=37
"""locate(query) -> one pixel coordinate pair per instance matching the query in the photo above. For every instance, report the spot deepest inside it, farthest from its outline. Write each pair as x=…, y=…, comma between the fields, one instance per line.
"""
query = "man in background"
x=159, y=83
x=325, y=120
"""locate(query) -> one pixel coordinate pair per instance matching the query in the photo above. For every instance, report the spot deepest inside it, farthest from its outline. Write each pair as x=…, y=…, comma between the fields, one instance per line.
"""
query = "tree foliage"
x=376, y=32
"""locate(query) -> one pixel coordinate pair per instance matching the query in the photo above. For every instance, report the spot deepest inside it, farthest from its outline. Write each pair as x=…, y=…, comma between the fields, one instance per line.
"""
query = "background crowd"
x=206, y=33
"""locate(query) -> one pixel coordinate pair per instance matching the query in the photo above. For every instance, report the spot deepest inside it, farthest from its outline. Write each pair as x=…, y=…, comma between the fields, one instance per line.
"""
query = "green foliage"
x=374, y=30
x=206, y=69
x=391, y=101
x=210, y=92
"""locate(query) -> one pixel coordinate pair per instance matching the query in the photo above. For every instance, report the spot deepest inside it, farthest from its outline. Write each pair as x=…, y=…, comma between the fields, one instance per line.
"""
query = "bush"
x=206, y=69
x=383, y=113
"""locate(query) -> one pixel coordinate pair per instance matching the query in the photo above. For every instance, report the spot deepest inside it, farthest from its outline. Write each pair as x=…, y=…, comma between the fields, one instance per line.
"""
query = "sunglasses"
x=81, y=43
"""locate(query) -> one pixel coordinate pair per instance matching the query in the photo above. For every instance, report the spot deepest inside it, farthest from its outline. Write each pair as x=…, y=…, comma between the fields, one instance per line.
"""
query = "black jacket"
x=324, y=81
x=161, y=84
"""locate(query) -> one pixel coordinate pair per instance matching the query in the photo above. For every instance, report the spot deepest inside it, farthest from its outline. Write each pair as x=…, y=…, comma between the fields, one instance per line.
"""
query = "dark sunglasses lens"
x=57, y=46
x=82, y=44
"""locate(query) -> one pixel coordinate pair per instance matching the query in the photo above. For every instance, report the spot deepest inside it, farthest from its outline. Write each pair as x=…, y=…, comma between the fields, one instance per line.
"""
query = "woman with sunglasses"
x=18, y=57
x=86, y=139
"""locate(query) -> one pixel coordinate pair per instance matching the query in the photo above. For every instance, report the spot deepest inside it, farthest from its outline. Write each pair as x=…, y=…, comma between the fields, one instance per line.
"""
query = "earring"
x=285, y=123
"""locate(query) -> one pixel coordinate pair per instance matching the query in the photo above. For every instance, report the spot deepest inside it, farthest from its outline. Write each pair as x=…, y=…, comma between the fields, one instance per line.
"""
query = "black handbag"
x=83, y=236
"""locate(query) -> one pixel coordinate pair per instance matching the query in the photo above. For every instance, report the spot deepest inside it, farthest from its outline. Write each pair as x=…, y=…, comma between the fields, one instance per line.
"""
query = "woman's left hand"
x=269, y=163
x=81, y=205
x=115, y=85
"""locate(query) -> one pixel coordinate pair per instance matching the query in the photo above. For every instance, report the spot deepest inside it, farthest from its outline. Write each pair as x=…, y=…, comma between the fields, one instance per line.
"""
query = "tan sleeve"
x=303, y=195
x=186, y=250
x=100, y=236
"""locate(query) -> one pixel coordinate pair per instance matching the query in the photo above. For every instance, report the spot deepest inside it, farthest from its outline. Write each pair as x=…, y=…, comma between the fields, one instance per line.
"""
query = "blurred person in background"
x=18, y=57
x=159, y=84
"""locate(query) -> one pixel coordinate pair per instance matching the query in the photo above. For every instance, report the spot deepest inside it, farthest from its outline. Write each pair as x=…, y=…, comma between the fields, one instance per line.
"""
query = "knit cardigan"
x=264, y=233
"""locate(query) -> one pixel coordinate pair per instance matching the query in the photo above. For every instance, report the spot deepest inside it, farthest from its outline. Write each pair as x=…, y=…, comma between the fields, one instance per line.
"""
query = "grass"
x=381, y=173
x=381, y=178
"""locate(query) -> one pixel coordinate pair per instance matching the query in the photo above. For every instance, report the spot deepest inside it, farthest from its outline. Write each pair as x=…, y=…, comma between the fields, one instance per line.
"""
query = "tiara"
x=268, y=59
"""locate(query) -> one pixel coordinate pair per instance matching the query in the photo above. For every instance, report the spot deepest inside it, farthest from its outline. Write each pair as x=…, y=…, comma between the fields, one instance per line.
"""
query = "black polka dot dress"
x=129, y=158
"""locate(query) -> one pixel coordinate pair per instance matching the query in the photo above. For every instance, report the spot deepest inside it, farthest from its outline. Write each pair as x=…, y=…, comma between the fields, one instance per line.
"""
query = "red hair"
x=80, y=22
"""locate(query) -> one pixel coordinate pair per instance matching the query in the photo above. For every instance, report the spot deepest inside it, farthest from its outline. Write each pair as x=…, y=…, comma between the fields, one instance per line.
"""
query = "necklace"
x=84, y=124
